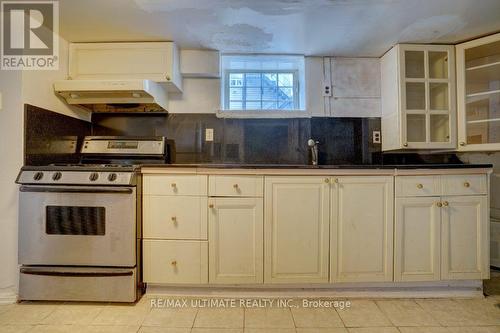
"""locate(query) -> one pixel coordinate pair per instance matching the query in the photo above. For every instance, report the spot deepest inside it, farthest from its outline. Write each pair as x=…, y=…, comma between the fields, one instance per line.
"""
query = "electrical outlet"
x=209, y=134
x=376, y=137
x=327, y=90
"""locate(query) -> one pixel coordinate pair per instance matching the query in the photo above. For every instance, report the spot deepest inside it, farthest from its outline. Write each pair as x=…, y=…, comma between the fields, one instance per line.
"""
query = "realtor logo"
x=30, y=35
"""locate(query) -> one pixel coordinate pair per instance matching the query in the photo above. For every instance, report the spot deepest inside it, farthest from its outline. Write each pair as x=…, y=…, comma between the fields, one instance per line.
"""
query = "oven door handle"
x=75, y=274
x=50, y=189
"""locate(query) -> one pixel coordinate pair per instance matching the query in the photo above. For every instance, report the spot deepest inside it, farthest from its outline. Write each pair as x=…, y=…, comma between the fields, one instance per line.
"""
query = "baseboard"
x=8, y=297
x=441, y=289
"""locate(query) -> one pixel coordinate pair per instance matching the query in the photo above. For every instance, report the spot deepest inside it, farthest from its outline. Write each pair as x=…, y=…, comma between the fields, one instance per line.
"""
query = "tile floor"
x=363, y=316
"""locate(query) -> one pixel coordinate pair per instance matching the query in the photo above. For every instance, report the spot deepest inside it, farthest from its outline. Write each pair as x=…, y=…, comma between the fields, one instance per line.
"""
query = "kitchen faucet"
x=313, y=145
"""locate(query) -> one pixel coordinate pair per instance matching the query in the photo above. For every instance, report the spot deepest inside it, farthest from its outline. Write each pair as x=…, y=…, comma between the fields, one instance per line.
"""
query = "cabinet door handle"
x=445, y=203
x=405, y=144
x=466, y=184
x=174, y=219
x=235, y=186
x=327, y=180
x=462, y=143
x=211, y=206
x=420, y=186
x=174, y=185
x=439, y=204
x=174, y=263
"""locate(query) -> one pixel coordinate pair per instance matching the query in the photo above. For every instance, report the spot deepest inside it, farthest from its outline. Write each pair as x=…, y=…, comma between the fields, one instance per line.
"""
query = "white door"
x=296, y=229
x=236, y=240
x=417, y=239
x=465, y=238
x=362, y=229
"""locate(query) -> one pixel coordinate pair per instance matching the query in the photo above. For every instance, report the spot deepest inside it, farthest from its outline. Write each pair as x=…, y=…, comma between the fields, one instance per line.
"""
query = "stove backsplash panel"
x=51, y=137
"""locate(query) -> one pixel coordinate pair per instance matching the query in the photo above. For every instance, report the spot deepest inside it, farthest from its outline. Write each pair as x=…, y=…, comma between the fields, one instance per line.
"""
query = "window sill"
x=263, y=114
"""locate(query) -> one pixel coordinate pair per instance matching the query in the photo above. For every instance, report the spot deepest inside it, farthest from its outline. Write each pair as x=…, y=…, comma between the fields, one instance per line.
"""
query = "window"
x=262, y=83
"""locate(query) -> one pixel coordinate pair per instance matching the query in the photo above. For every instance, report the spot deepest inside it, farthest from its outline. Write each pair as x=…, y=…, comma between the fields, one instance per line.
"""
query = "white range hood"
x=113, y=92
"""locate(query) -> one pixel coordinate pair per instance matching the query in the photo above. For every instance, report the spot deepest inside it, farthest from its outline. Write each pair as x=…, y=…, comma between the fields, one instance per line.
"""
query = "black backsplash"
x=50, y=137
x=268, y=141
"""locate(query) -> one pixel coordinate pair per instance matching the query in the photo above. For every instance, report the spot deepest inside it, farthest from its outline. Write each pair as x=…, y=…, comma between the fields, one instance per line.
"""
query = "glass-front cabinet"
x=418, y=97
x=478, y=91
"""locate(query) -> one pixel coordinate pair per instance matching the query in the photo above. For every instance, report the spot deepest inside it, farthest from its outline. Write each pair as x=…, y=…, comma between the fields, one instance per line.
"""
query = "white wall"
x=11, y=150
x=17, y=88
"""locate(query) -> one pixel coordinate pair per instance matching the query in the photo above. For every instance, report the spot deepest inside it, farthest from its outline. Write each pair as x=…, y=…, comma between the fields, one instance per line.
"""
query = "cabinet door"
x=427, y=96
x=236, y=240
x=465, y=238
x=296, y=229
x=362, y=229
x=478, y=89
x=417, y=239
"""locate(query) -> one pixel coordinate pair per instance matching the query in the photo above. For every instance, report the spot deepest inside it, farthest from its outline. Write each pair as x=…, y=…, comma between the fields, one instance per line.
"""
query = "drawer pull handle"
x=445, y=203
x=174, y=263
x=420, y=186
x=439, y=204
x=174, y=185
x=174, y=219
x=211, y=206
x=235, y=186
x=466, y=184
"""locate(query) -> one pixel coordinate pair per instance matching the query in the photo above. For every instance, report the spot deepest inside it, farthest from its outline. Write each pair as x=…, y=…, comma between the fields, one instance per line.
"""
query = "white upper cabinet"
x=478, y=91
x=155, y=61
x=418, y=97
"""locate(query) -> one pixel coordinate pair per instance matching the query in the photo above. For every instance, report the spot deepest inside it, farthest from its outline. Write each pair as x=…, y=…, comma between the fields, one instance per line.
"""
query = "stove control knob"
x=93, y=176
x=38, y=176
x=112, y=177
x=56, y=176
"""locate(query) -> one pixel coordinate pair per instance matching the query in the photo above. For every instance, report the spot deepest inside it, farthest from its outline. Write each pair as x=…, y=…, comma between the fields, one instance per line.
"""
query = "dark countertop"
x=319, y=167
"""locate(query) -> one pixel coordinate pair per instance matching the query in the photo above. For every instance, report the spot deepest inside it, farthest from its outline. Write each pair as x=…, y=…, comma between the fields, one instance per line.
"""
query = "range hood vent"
x=114, y=95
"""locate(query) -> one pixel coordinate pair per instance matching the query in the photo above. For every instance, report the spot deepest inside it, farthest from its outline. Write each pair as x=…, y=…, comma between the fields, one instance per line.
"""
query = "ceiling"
x=311, y=27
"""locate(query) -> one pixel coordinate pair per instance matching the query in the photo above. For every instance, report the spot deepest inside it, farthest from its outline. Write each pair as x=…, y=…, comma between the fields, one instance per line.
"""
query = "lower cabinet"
x=418, y=239
x=441, y=238
x=465, y=238
x=362, y=229
x=296, y=229
x=236, y=239
x=175, y=261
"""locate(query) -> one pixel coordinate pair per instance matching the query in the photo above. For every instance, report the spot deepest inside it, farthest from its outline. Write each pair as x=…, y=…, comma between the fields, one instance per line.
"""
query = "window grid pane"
x=261, y=90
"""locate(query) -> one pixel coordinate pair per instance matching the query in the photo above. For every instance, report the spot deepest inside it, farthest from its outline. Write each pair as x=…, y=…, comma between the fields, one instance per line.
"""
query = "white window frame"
x=299, y=110
x=295, y=87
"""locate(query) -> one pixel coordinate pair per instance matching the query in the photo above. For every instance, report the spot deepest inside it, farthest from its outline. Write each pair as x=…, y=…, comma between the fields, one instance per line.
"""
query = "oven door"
x=77, y=226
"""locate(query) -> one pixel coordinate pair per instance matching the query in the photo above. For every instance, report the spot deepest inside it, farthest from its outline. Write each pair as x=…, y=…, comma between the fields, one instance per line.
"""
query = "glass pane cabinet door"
x=428, y=96
x=482, y=94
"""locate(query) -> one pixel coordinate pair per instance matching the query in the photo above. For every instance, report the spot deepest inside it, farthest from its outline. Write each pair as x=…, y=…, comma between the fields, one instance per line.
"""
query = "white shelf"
x=481, y=121
x=483, y=93
x=473, y=68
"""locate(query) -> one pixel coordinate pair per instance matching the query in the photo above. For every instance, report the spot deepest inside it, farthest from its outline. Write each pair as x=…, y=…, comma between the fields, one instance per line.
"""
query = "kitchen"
x=315, y=173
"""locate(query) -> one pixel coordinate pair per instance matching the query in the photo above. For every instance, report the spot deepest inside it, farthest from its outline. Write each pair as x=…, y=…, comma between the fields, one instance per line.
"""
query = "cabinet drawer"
x=195, y=185
x=236, y=186
x=175, y=217
x=414, y=186
x=464, y=184
x=175, y=262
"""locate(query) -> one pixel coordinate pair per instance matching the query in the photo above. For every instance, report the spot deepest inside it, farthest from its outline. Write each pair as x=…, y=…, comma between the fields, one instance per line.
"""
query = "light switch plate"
x=209, y=134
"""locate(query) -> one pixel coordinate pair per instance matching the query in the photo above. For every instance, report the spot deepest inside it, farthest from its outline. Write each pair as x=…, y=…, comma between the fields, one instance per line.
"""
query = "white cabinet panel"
x=175, y=262
x=362, y=229
x=465, y=238
x=296, y=229
x=236, y=240
x=417, y=239
x=189, y=185
x=174, y=217
x=235, y=186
